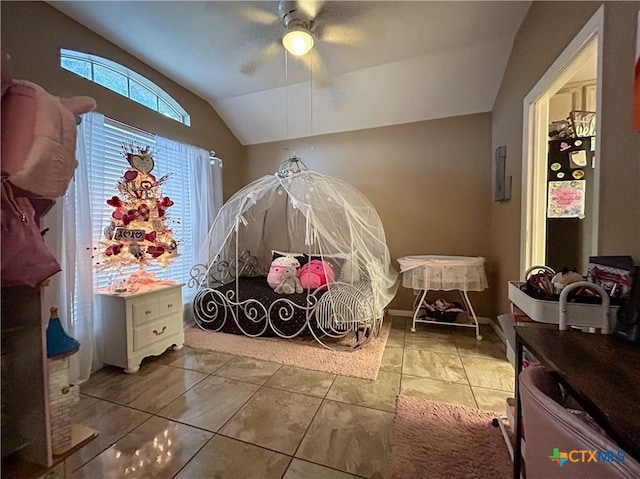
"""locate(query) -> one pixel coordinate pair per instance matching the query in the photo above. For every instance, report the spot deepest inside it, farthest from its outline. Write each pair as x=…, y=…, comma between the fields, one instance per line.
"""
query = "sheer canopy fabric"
x=306, y=212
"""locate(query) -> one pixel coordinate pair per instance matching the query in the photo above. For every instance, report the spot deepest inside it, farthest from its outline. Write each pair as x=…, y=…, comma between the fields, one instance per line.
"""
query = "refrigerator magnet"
x=578, y=159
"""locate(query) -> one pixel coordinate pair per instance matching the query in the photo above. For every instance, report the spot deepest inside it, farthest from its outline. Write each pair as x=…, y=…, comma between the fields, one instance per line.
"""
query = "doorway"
x=560, y=193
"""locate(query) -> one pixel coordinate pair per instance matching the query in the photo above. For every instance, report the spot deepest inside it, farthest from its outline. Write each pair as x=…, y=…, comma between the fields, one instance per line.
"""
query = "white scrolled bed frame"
x=340, y=316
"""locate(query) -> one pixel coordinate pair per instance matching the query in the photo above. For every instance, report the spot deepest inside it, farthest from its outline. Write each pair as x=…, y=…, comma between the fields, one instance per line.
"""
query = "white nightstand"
x=141, y=324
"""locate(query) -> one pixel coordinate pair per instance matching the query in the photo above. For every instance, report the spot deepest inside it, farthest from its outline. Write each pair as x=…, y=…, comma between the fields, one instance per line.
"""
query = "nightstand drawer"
x=156, y=331
x=170, y=304
x=145, y=311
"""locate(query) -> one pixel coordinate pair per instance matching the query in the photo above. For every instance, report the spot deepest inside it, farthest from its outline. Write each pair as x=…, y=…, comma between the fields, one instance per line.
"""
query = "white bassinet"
x=308, y=214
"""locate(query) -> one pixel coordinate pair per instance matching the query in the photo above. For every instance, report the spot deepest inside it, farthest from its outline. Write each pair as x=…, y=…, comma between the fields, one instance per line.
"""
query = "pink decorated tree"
x=138, y=233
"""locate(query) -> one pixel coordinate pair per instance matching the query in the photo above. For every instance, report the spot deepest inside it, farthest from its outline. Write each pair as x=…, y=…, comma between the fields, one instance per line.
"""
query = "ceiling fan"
x=302, y=28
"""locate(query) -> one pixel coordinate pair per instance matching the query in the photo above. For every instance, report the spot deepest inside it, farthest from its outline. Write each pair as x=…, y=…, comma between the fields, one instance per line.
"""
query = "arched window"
x=124, y=81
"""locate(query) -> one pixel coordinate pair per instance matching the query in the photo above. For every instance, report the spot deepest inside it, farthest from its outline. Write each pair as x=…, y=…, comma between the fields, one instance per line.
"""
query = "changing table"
x=444, y=273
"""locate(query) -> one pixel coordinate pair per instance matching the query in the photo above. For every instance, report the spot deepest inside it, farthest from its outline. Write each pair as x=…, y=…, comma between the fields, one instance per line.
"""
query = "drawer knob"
x=147, y=311
x=159, y=333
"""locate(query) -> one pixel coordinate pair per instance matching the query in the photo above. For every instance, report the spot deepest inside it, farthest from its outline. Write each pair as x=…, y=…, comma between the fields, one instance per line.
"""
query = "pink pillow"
x=316, y=273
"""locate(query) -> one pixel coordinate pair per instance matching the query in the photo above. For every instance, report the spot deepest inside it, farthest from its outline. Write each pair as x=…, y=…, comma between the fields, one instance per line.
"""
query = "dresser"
x=141, y=324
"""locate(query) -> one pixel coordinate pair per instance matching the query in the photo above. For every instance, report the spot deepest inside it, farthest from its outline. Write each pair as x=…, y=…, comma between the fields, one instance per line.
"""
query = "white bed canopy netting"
x=321, y=221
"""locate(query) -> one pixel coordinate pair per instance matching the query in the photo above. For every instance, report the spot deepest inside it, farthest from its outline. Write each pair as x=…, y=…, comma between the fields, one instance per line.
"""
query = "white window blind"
x=103, y=180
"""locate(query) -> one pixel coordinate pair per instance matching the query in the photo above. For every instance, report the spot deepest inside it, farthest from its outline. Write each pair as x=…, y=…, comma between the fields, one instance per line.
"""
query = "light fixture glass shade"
x=298, y=42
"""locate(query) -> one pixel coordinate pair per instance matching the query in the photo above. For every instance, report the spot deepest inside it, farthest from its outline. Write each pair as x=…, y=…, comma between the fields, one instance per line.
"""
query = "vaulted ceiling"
x=374, y=63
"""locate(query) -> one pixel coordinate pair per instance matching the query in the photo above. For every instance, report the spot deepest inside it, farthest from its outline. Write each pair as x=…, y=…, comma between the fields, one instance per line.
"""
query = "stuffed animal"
x=565, y=278
x=290, y=283
x=316, y=273
x=275, y=276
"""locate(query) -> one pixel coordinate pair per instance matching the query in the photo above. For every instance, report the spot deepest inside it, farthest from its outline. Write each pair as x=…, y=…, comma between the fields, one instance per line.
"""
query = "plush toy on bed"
x=290, y=283
x=275, y=276
x=316, y=273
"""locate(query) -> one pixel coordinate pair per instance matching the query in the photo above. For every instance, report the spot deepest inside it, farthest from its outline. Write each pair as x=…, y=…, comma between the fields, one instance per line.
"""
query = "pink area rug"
x=302, y=353
x=433, y=440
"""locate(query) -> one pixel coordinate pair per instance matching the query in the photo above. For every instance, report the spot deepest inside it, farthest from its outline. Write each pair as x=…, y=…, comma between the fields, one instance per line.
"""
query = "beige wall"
x=429, y=181
x=619, y=231
x=34, y=32
x=546, y=31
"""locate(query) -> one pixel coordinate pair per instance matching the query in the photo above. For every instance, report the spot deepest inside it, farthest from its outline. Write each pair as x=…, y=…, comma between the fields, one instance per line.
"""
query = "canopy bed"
x=292, y=254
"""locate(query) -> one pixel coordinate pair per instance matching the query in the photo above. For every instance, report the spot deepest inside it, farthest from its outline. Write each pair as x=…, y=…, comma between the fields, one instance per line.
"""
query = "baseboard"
x=498, y=330
x=405, y=313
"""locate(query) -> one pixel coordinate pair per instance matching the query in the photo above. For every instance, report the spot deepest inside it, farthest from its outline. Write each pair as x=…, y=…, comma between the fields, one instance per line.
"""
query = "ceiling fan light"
x=298, y=42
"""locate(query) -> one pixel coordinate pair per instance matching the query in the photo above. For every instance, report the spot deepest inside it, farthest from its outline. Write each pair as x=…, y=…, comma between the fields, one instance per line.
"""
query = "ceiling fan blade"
x=257, y=15
x=342, y=34
x=311, y=8
x=316, y=65
x=250, y=67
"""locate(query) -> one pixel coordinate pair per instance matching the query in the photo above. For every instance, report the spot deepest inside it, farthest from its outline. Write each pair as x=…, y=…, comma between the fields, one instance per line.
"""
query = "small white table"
x=443, y=273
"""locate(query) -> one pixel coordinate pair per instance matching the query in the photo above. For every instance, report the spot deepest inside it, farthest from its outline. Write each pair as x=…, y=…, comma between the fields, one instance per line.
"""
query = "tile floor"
x=194, y=414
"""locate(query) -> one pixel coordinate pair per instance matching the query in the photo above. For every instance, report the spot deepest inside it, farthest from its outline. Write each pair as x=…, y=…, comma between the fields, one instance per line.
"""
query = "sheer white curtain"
x=208, y=189
x=76, y=280
x=205, y=184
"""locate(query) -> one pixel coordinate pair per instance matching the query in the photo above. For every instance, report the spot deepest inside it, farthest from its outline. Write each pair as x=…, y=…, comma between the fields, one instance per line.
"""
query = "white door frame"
x=535, y=140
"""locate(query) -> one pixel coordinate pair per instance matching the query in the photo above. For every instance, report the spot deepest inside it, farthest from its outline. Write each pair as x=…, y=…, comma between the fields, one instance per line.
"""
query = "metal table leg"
x=416, y=308
x=505, y=434
x=467, y=303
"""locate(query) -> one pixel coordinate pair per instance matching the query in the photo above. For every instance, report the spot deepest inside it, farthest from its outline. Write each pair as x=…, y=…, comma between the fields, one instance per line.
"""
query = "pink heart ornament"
x=130, y=175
